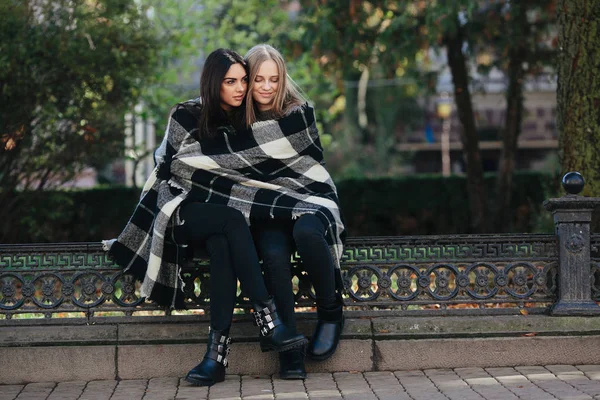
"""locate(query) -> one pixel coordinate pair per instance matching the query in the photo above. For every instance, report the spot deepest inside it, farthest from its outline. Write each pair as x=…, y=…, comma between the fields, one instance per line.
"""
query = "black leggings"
x=232, y=254
x=274, y=243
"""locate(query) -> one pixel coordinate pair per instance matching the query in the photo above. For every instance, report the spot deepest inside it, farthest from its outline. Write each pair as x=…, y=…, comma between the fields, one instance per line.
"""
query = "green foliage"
x=386, y=206
x=69, y=70
x=189, y=31
x=426, y=205
x=74, y=216
x=529, y=26
x=176, y=27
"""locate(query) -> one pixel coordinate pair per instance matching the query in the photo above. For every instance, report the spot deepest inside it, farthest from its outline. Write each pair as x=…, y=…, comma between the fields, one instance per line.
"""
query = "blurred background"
x=436, y=117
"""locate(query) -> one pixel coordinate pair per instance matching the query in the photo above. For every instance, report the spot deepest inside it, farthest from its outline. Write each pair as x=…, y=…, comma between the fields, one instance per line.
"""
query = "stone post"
x=572, y=217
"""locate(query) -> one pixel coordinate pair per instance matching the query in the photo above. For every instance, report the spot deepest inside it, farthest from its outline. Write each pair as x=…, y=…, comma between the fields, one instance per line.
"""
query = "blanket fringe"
x=107, y=244
x=175, y=185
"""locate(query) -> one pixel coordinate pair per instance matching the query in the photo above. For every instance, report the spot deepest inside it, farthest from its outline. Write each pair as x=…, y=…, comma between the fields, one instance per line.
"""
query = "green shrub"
x=415, y=205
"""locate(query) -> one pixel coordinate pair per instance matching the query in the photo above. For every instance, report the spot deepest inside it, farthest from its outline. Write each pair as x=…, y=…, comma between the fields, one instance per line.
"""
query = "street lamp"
x=444, y=110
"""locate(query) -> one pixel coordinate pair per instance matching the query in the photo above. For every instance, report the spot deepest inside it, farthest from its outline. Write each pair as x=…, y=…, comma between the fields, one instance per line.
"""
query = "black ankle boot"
x=329, y=327
x=291, y=364
x=212, y=368
x=274, y=334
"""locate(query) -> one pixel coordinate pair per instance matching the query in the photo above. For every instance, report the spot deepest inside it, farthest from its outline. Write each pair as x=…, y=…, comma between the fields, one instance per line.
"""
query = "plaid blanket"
x=273, y=170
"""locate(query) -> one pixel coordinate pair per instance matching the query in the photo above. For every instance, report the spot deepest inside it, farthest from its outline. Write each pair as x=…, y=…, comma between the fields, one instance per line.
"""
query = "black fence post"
x=572, y=217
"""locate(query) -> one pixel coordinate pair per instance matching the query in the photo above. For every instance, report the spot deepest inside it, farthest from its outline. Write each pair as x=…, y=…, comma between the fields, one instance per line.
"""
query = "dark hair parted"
x=211, y=115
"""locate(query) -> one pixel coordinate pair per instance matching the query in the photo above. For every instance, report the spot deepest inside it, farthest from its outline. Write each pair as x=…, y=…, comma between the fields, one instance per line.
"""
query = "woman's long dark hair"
x=211, y=115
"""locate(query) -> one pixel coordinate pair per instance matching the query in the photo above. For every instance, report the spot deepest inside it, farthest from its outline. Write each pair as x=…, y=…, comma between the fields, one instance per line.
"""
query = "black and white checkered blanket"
x=274, y=170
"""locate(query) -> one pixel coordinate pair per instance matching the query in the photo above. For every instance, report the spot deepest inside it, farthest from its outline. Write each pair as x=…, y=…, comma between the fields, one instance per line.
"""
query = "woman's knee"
x=233, y=219
x=308, y=227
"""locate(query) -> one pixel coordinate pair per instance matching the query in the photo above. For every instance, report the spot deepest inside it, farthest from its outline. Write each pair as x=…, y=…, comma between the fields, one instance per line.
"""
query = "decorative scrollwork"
x=522, y=275
x=448, y=248
x=442, y=279
x=376, y=272
x=126, y=292
x=482, y=280
x=365, y=282
x=47, y=290
x=405, y=277
x=11, y=296
x=576, y=243
x=88, y=289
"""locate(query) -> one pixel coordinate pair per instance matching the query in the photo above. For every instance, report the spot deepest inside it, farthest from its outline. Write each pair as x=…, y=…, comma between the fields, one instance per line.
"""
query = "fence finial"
x=573, y=182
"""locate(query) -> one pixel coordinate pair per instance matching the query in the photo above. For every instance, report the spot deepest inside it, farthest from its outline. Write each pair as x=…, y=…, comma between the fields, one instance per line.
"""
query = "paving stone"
x=451, y=385
x=68, y=391
x=547, y=381
x=9, y=392
x=257, y=387
x=562, y=382
x=231, y=388
x=418, y=385
x=471, y=373
x=353, y=385
x=289, y=389
x=562, y=369
x=161, y=389
x=130, y=390
x=36, y=391
x=385, y=385
x=321, y=386
x=518, y=384
x=484, y=384
x=98, y=390
x=591, y=371
x=187, y=391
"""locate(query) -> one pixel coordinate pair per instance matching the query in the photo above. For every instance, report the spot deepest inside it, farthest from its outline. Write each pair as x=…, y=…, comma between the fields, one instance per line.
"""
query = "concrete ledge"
x=57, y=335
x=144, y=350
x=149, y=361
x=57, y=364
x=486, y=352
x=482, y=326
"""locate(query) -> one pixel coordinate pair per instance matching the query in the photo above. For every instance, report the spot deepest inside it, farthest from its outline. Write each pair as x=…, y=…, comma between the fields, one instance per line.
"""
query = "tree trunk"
x=517, y=54
x=578, y=94
x=469, y=136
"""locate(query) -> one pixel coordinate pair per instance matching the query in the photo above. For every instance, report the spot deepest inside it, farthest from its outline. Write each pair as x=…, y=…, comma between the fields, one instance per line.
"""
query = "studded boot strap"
x=219, y=349
x=266, y=319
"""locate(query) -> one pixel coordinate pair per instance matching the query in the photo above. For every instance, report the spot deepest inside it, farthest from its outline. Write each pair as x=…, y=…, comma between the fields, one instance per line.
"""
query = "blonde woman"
x=274, y=102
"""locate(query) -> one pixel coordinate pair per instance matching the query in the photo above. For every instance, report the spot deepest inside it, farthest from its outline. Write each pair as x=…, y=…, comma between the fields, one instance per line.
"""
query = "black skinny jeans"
x=232, y=254
x=274, y=243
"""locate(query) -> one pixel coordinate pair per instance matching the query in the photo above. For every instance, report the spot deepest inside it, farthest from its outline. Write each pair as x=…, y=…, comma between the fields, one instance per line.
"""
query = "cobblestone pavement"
x=577, y=382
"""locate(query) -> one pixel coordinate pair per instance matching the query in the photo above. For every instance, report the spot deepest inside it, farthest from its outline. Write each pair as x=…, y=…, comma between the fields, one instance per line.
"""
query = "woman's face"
x=266, y=84
x=233, y=87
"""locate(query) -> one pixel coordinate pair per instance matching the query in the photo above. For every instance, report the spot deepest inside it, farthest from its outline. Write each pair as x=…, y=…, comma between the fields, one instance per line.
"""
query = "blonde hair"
x=288, y=96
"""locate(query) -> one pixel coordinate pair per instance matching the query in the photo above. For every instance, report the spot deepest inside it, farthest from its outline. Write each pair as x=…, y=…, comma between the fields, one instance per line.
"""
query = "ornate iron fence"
x=431, y=275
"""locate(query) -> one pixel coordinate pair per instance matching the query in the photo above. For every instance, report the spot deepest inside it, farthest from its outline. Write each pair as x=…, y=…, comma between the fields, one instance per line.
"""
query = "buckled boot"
x=212, y=368
x=274, y=334
x=329, y=327
x=291, y=364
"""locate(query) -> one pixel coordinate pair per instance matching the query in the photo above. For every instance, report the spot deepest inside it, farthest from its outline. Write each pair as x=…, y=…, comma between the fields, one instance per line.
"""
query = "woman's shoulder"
x=186, y=113
x=301, y=116
x=299, y=108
